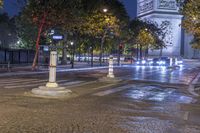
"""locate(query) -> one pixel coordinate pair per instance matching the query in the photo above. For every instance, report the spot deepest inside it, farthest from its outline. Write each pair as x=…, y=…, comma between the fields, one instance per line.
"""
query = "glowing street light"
x=105, y=10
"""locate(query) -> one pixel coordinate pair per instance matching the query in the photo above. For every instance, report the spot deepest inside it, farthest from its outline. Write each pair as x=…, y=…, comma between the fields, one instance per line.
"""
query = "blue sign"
x=57, y=37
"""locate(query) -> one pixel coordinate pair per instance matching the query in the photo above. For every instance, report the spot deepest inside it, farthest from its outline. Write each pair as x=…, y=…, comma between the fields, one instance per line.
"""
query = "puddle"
x=158, y=94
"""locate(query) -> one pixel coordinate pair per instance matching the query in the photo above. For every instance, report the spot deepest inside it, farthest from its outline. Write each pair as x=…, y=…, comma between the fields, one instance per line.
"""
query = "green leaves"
x=148, y=34
x=191, y=22
x=1, y=3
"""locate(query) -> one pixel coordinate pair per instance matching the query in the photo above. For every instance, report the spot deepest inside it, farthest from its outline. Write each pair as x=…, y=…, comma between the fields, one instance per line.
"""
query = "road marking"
x=33, y=85
x=72, y=83
x=22, y=82
x=84, y=83
x=111, y=91
x=16, y=80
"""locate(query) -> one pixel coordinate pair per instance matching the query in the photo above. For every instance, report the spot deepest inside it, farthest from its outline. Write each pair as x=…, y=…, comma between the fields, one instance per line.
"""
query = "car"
x=142, y=62
x=128, y=59
x=162, y=61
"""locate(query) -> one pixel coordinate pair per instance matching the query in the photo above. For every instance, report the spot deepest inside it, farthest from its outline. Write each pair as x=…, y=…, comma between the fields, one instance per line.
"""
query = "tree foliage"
x=1, y=3
x=147, y=34
x=191, y=22
x=8, y=36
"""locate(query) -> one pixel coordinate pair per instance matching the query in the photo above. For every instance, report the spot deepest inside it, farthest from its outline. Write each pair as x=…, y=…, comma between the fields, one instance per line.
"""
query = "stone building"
x=177, y=41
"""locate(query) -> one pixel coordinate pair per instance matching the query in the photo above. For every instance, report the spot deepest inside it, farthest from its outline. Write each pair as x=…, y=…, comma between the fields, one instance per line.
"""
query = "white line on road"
x=111, y=91
x=22, y=82
x=15, y=80
x=32, y=85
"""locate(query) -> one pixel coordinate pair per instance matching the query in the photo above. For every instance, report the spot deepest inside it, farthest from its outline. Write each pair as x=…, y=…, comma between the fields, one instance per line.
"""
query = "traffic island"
x=56, y=92
x=52, y=89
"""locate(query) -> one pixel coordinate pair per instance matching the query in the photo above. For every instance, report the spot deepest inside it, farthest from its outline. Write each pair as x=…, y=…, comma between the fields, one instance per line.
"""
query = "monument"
x=177, y=40
x=160, y=11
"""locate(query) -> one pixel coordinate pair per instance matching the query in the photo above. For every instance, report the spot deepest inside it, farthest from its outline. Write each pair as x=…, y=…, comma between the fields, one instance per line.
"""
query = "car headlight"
x=180, y=62
x=143, y=62
x=151, y=62
x=137, y=62
x=163, y=62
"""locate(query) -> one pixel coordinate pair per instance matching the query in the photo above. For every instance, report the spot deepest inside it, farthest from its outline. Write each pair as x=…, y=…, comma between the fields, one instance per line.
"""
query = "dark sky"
x=10, y=7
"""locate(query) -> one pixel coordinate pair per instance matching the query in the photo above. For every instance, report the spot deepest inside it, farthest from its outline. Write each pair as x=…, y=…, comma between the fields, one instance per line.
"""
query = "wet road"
x=103, y=107
x=180, y=75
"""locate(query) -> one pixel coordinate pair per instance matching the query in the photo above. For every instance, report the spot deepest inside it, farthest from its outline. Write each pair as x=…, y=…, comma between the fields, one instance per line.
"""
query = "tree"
x=146, y=35
x=47, y=14
x=27, y=32
x=8, y=37
x=104, y=24
x=1, y=3
x=191, y=22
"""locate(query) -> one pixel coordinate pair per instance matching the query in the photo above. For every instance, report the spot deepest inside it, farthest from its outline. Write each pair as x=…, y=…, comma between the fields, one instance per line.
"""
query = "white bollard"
x=176, y=61
x=52, y=70
x=110, y=70
x=171, y=62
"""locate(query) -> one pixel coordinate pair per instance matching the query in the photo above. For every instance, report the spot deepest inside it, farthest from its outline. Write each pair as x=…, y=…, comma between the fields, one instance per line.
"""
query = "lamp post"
x=105, y=10
x=73, y=51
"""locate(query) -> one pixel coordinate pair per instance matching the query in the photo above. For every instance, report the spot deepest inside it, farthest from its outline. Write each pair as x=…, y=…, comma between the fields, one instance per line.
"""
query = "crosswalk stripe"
x=111, y=91
x=31, y=85
x=71, y=83
x=15, y=80
x=22, y=82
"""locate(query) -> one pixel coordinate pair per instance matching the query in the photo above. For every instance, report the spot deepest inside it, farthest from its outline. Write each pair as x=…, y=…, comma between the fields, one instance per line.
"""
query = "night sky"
x=10, y=7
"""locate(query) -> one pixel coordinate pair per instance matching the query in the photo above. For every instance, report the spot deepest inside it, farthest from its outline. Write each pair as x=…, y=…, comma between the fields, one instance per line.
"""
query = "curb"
x=192, y=85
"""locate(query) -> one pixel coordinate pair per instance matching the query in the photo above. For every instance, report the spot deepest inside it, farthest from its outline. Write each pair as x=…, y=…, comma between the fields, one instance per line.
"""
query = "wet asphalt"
x=158, y=104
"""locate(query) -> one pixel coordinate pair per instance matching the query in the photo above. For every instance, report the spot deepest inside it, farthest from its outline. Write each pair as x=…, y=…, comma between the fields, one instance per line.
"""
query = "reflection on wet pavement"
x=158, y=94
x=156, y=109
x=182, y=75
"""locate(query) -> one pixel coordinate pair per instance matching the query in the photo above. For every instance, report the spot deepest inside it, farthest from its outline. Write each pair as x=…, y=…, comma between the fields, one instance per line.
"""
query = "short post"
x=52, y=70
x=8, y=67
x=171, y=62
x=176, y=61
x=110, y=70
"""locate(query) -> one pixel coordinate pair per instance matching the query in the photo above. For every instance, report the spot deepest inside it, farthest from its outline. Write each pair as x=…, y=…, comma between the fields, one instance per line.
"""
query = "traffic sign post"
x=52, y=89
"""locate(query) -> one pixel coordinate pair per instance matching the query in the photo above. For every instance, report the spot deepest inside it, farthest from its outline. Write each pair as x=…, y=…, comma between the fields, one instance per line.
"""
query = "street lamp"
x=73, y=52
x=105, y=10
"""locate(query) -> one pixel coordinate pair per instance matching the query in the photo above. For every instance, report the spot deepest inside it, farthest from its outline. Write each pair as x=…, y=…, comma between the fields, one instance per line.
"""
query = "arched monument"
x=159, y=11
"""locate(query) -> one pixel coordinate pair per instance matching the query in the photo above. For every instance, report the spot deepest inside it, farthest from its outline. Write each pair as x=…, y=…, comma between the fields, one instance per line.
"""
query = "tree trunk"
x=92, y=56
x=119, y=56
x=64, y=56
x=73, y=54
x=38, y=42
x=161, y=52
x=101, y=49
x=140, y=52
x=137, y=52
x=64, y=51
x=146, y=53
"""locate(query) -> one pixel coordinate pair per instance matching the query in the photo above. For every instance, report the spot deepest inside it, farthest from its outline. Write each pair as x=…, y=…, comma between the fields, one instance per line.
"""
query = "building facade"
x=160, y=11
